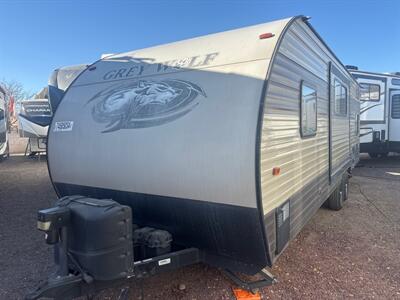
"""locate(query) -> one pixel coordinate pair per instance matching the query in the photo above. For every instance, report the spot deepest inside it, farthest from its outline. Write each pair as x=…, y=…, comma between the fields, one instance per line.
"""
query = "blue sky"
x=39, y=36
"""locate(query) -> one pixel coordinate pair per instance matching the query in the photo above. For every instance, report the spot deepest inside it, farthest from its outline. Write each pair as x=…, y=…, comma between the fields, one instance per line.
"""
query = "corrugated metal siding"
x=304, y=162
x=300, y=160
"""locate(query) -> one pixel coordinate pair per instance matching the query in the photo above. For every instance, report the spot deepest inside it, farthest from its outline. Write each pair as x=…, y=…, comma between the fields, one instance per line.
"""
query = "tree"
x=16, y=90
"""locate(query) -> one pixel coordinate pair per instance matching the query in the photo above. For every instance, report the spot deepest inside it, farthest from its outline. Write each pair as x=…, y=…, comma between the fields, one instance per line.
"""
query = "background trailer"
x=4, y=138
x=227, y=144
x=380, y=111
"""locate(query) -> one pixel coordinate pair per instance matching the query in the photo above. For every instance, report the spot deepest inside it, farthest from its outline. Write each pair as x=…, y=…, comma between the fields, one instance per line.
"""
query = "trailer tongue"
x=94, y=249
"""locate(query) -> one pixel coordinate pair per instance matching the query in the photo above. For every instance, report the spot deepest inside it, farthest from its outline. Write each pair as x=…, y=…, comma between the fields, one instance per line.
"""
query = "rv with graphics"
x=380, y=112
x=4, y=143
x=170, y=155
x=35, y=115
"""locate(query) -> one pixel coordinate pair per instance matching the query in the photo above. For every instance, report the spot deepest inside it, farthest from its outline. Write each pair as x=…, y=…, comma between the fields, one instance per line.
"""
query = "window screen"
x=340, y=99
x=370, y=92
x=396, y=106
x=308, y=111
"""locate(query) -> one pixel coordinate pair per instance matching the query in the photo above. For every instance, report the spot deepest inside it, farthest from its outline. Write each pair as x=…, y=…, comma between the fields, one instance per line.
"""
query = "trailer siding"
x=304, y=162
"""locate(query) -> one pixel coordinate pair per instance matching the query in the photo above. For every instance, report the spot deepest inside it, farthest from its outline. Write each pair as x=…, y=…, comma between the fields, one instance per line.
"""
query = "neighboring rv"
x=60, y=80
x=33, y=123
x=4, y=143
x=380, y=112
x=217, y=149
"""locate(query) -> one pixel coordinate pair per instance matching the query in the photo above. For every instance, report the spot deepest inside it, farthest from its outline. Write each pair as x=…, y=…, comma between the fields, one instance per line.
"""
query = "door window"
x=308, y=117
x=340, y=97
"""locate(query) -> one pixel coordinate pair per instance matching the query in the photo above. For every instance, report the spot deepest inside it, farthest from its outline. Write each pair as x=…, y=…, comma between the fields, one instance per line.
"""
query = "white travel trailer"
x=33, y=123
x=4, y=143
x=380, y=112
x=219, y=148
x=60, y=80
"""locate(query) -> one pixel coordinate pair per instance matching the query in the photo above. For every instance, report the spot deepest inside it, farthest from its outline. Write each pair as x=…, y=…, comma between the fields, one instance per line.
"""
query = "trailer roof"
x=375, y=73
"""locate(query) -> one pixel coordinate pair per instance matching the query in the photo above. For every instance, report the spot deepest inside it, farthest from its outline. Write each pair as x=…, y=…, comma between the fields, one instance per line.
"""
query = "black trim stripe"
x=230, y=232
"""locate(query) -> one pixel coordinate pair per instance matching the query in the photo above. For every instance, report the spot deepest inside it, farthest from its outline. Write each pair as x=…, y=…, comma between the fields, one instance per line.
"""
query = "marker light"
x=266, y=35
x=276, y=171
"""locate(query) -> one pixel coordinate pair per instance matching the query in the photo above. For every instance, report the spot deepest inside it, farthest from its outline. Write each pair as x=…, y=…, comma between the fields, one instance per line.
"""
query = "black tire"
x=373, y=155
x=335, y=200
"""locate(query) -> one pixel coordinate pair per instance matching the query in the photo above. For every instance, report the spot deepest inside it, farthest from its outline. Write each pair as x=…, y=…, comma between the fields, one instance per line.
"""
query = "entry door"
x=394, y=122
x=339, y=110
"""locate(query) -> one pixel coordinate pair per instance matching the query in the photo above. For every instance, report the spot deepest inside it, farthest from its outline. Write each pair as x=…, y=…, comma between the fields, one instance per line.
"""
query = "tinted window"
x=396, y=107
x=395, y=81
x=2, y=114
x=308, y=111
x=369, y=92
x=340, y=99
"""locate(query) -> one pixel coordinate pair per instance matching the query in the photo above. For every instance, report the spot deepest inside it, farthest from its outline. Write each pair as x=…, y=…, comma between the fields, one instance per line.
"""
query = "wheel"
x=384, y=154
x=335, y=200
x=373, y=155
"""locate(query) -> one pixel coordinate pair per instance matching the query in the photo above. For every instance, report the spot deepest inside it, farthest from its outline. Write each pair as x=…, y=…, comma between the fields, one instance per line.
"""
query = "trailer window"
x=308, y=114
x=370, y=92
x=395, y=81
x=396, y=106
x=340, y=99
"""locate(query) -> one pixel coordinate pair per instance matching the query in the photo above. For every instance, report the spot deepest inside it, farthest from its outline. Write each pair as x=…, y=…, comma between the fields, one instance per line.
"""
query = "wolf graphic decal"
x=144, y=103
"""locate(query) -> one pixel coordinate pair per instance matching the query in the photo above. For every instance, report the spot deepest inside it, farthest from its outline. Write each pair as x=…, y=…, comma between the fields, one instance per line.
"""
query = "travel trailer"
x=33, y=123
x=380, y=112
x=216, y=149
x=4, y=143
x=60, y=80
x=35, y=115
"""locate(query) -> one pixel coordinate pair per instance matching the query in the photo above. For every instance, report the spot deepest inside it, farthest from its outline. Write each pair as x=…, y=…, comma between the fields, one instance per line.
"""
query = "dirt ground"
x=353, y=253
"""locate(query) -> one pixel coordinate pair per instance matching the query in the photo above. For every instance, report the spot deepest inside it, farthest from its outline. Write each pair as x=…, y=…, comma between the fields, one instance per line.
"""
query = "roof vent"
x=350, y=67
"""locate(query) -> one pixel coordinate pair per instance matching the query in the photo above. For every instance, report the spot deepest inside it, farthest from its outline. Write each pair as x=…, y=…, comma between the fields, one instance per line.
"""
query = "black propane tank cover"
x=100, y=236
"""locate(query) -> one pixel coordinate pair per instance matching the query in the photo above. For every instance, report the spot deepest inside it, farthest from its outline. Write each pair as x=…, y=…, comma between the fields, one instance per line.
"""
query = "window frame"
x=312, y=87
x=369, y=92
x=342, y=86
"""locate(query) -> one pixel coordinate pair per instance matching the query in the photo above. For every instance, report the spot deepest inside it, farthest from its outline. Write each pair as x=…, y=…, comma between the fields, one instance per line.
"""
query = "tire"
x=373, y=155
x=336, y=199
x=383, y=155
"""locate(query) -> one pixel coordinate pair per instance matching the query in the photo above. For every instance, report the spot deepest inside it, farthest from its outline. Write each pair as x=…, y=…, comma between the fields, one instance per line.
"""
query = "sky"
x=40, y=36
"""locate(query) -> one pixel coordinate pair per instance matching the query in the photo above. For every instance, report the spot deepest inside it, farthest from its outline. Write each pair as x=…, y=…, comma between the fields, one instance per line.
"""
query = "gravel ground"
x=353, y=253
